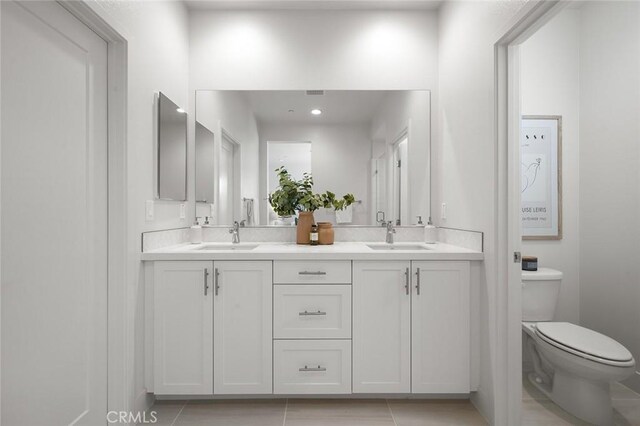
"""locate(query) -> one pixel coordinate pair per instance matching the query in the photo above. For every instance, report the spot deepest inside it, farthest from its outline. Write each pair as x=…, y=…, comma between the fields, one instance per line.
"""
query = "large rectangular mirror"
x=372, y=144
x=172, y=150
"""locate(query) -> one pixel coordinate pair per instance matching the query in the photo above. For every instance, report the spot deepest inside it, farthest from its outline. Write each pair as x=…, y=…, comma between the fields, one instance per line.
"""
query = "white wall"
x=550, y=85
x=230, y=111
x=340, y=155
x=339, y=49
x=610, y=172
x=157, y=35
x=327, y=49
x=408, y=110
x=465, y=173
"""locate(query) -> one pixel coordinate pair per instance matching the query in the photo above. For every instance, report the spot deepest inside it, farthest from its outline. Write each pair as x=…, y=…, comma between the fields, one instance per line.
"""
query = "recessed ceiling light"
x=316, y=111
x=180, y=110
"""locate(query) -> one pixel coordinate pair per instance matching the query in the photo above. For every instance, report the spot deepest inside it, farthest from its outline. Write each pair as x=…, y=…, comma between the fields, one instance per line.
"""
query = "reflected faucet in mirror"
x=235, y=233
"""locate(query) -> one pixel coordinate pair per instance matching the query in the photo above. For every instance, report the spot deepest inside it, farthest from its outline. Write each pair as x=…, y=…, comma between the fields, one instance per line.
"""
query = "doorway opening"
x=555, y=67
x=400, y=198
x=229, y=179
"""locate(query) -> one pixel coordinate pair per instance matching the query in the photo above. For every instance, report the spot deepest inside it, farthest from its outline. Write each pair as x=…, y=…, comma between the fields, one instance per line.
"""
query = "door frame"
x=237, y=176
x=532, y=16
x=118, y=363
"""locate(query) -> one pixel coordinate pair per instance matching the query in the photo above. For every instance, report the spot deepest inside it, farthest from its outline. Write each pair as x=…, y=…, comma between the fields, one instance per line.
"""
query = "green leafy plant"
x=284, y=200
x=297, y=195
x=308, y=202
x=329, y=200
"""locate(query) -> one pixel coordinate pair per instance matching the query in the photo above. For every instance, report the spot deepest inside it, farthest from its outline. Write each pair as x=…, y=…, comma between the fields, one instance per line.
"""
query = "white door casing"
x=54, y=260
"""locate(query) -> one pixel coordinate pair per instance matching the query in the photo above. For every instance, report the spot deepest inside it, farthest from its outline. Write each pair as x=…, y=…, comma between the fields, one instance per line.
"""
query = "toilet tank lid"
x=542, y=274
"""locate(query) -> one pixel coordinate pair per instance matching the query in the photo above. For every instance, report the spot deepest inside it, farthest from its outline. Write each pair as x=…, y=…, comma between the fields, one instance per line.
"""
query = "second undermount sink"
x=406, y=247
x=236, y=247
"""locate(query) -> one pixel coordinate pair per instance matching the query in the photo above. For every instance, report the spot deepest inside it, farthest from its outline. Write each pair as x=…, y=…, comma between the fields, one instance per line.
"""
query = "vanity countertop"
x=292, y=251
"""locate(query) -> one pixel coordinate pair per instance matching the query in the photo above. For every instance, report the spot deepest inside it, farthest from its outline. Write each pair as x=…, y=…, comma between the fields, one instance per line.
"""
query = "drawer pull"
x=312, y=273
x=308, y=314
x=318, y=368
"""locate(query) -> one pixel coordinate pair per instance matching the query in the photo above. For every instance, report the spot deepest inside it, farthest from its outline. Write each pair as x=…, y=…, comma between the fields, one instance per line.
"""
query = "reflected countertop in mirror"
x=374, y=144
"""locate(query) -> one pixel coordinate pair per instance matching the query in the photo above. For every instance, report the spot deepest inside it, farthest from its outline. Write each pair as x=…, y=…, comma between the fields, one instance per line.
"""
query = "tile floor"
x=537, y=409
x=316, y=412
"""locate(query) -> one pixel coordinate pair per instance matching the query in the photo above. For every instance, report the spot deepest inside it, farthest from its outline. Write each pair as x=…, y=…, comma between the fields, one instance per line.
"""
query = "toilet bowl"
x=573, y=365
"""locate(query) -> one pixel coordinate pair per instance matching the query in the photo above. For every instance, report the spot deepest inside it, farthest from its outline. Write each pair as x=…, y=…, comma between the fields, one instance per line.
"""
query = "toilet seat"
x=584, y=343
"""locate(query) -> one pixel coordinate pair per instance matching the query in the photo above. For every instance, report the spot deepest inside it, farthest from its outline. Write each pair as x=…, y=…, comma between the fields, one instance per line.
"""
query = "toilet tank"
x=540, y=294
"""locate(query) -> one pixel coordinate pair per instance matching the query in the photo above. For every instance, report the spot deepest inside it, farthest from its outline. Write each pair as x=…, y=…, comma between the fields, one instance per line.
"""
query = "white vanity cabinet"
x=242, y=327
x=183, y=328
x=288, y=327
x=381, y=327
x=411, y=328
x=440, y=327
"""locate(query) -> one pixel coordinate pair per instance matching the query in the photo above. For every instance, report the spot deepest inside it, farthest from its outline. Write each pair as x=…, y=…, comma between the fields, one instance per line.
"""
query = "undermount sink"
x=397, y=247
x=236, y=247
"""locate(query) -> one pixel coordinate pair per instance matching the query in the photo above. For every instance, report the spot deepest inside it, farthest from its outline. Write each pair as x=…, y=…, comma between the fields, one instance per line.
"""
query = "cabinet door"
x=440, y=327
x=183, y=328
x=242, y=327
x=381, y=327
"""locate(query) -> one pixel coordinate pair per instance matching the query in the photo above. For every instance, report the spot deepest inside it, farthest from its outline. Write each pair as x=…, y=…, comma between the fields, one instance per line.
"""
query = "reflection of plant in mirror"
x=284, y=199
x=329, y=200
x=292, y=195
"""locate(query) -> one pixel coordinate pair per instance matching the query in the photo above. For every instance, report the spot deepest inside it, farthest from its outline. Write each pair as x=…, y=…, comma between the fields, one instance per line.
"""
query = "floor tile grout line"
x=391, y=412
x=286, y=407
x=179, y=412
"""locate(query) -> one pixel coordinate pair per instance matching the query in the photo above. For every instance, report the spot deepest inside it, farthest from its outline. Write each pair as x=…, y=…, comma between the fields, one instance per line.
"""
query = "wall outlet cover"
x=183, y=211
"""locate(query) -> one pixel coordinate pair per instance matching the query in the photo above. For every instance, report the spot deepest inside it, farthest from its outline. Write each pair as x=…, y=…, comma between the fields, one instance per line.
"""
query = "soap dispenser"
x=430, y=232
x=195, y=233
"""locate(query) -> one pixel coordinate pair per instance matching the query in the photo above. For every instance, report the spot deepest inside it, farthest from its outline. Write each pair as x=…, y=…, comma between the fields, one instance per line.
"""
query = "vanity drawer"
x=312, y=367
x=312, y=311
x=312, y=272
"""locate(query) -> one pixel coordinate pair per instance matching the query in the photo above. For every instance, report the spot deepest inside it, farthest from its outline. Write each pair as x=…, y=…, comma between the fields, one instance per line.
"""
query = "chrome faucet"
x=235, y=239
x=390, y=231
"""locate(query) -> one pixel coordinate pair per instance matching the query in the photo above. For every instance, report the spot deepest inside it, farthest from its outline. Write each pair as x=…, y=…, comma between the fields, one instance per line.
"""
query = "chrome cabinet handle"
x=318, y=368
x=217, y=281
x=406, y=280
x=418, y=281
x=306, y=313
x=206, y=280
x=312, y=273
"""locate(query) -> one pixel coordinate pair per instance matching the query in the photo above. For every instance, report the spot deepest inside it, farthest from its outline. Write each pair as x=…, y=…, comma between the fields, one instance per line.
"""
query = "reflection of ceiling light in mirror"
x=316, y=111
x=180, y=110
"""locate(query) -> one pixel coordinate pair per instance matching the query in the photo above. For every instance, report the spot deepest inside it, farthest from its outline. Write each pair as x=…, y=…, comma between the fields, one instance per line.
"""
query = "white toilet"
x=573, y=365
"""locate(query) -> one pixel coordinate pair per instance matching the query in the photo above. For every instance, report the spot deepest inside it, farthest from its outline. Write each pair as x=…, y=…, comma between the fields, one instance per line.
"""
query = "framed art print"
x=541, y=177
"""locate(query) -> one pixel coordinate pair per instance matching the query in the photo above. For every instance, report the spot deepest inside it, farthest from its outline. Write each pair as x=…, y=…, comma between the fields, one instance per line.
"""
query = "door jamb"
x=508, y=402
x=119, y=397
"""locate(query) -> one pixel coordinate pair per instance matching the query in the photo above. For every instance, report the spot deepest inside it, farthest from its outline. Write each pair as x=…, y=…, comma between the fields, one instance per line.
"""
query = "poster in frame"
x=541, y=177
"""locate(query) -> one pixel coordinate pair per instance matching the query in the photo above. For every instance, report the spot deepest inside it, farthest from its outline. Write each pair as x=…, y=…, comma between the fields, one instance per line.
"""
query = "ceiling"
x=314, y=4
x=338, y=106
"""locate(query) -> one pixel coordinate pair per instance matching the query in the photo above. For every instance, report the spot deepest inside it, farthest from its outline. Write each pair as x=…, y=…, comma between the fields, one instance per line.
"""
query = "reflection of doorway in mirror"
x=379, y=210
x=229, y=189
x=295, y=156
x=400, y=182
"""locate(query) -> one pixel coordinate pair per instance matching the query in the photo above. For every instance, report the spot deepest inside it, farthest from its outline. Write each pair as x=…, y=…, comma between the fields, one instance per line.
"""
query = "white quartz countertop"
x=292, y=251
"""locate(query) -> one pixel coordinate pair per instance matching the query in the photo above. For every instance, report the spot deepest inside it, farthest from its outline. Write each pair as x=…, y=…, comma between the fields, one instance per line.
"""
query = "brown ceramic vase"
x=325, y=233
x=303, y=232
